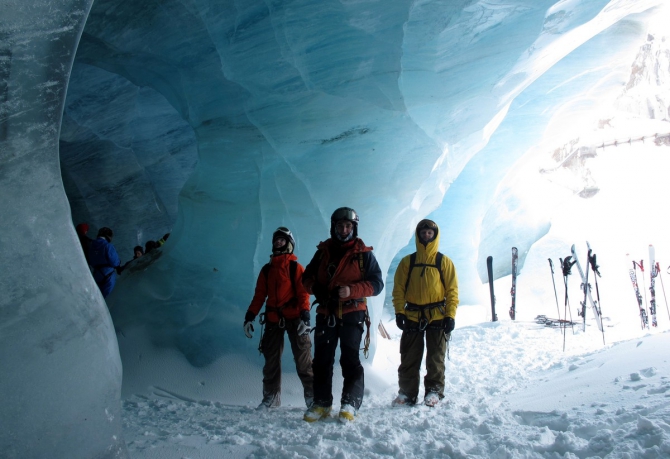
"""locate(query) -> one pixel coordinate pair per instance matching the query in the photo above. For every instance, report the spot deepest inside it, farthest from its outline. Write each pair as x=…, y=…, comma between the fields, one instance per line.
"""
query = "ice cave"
x=218, y=121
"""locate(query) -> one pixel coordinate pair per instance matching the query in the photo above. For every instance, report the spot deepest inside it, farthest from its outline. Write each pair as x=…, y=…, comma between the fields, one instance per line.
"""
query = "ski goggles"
x=283, y=232
x=283, y=229
x=425, y=223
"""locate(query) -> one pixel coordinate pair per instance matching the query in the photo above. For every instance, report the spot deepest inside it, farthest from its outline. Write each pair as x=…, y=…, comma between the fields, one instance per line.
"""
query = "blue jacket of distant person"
x=105, y=260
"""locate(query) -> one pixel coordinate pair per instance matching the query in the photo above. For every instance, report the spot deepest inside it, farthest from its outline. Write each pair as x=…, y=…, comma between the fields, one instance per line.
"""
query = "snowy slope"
x=511, y=392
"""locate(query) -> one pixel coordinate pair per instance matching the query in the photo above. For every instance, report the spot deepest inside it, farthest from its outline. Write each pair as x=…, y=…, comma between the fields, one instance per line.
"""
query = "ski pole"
x=658, y=268
x=566, y=266
x=585, y=289
x=594, y=267
x=558, y=309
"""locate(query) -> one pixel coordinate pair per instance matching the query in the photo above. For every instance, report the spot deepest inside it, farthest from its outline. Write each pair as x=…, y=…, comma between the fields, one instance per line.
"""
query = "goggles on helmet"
x=285, y=230
x=425, y=223
x=344, y=213
x=285, y=233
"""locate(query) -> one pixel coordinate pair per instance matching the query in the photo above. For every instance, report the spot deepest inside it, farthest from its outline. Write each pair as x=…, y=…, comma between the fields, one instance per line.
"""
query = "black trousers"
x=349, y=332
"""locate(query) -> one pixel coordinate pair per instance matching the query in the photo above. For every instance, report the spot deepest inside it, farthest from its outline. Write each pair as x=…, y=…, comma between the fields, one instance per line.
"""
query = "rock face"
x=61, y=368
x=647, y=92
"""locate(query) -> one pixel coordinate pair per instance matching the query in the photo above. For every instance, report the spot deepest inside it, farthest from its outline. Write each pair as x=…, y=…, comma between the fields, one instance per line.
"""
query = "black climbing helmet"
x=344, y=213
x=285, y=233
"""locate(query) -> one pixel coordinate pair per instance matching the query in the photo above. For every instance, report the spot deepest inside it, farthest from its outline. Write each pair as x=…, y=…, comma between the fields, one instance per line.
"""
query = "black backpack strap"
x=438, y=265
x=293, y=269
x=266, y=271
x=412, y=262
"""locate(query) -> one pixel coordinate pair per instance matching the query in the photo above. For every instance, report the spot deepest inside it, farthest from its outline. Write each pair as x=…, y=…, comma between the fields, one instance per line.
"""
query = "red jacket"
x=358, y=269
x=279, y=290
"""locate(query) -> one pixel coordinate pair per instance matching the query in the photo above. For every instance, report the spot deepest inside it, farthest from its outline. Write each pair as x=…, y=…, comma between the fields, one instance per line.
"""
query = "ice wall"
x=61, y=372
x=300, y=108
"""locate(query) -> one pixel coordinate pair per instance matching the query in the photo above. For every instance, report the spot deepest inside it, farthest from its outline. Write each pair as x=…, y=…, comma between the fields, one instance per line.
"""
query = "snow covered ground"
x=511, y=392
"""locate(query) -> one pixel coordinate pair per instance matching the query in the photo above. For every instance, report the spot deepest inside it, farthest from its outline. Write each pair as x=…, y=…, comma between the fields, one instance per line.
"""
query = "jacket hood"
x=429, y=250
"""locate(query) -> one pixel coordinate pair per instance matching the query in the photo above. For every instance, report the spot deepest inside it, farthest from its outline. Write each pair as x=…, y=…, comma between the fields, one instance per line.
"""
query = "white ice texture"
x=398, y=109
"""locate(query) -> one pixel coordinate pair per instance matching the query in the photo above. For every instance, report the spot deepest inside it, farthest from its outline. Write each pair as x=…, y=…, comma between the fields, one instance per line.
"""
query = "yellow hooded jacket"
x=425, y=285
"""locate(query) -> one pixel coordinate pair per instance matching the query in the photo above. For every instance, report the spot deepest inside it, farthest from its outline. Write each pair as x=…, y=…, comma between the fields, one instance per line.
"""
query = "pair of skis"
x=632, y=273
x=566, y=266
x=489, y=269
x=586, y=287
x=655, y=272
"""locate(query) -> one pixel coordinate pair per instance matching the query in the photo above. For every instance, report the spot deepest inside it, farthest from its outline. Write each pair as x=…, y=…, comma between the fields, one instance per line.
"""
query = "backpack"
x=437, y=265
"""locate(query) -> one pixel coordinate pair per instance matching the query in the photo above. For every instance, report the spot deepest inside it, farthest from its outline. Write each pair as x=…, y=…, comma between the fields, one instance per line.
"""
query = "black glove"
x=400, y=321
x=304, y=316
x=335, y=293
x=320, y=291
x=449, y=324
x=249, y=317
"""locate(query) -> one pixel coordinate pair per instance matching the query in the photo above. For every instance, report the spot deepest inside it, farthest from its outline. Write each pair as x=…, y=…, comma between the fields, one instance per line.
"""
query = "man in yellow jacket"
x=425, y=298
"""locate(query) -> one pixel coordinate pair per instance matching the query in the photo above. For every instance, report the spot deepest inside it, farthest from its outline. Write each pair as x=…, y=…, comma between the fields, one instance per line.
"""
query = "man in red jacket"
x=286, y=310
x=342, y=273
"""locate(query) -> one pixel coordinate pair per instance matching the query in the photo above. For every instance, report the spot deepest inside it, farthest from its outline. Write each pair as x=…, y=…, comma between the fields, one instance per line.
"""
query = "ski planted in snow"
x=596, y=274
x=551, y=266
x=586, y=288
x=658, y=270
x=566, y=268
x=515, y=263
x=632, y=272
x=489, y=269
x=652, y=288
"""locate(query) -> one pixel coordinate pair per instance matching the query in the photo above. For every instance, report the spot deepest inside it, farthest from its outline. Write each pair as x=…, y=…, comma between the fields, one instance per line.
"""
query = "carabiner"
x=331, y=321
x=282, y=322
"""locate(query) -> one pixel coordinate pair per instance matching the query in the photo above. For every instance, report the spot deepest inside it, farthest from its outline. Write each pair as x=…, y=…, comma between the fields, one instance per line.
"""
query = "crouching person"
x=341, y=274
x=425, y=298
x=286, y=310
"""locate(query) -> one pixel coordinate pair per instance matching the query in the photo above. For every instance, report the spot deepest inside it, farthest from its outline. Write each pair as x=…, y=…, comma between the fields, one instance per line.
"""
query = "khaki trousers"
x=411, y=355
x=273, y=347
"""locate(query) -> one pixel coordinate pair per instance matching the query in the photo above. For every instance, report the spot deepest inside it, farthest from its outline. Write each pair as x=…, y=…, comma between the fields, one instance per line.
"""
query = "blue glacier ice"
x=219, y=121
